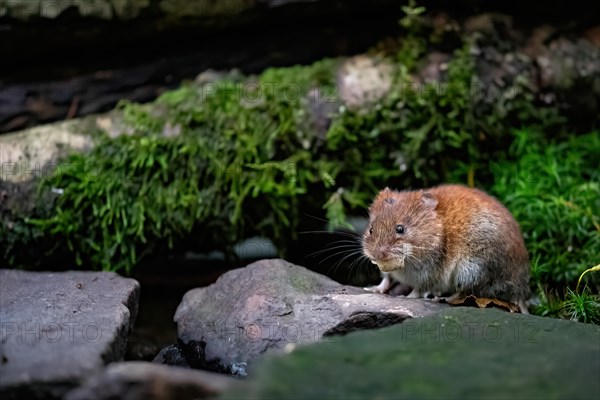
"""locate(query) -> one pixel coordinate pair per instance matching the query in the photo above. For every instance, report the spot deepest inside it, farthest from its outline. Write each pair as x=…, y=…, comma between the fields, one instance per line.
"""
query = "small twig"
x=471, y=176
x=73, y=107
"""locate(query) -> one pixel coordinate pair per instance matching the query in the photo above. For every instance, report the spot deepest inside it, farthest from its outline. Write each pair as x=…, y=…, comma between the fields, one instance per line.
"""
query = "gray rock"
x=363, y=81
x=138, y=380
x=57, y=328
x=33, y=153
x=570, y=69
x=272, y=305
x=557, y=68
x=460, y=353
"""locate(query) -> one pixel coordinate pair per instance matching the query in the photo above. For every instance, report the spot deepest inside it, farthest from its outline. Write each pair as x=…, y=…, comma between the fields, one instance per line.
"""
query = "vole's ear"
x=383, y=195
x=428, y=199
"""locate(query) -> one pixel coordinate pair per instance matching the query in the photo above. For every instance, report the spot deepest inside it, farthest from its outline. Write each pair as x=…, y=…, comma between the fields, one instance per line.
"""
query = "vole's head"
x=404, y=228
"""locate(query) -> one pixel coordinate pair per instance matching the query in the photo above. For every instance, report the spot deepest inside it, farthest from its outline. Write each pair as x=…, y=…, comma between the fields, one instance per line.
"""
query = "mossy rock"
x=461, y=353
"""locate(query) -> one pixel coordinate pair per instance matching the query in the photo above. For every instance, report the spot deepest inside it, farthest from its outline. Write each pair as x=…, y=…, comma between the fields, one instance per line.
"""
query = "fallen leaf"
x=483, y=302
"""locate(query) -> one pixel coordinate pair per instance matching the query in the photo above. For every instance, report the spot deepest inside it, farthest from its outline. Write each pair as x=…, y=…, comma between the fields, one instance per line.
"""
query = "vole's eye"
x=400, y=229
x=370, y=230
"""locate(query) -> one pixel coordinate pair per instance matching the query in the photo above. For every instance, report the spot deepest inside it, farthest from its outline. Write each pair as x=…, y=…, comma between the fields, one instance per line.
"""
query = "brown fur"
x=457, y=241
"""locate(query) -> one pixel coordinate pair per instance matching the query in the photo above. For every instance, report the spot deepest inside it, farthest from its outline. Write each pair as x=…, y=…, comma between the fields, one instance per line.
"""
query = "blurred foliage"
x=552, y=187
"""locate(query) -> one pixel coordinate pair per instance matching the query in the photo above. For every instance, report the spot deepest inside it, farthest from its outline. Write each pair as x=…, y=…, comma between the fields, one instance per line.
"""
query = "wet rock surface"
x=138, y=380
x=271, y=306
x=460, y=353
x=57, y=328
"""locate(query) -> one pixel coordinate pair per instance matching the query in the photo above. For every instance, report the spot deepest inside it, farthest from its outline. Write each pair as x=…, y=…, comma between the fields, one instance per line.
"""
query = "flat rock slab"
x=139, y=380
x=460, y=353
x=271, y=305
x=57, y=328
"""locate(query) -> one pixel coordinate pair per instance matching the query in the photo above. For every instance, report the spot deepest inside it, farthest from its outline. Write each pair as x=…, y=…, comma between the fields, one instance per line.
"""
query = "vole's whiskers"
x=341, y=246
x=361, y=260
x=350, y=254
x=337, y=226
x=347, y=249
x=351, y=235
x=344, y=251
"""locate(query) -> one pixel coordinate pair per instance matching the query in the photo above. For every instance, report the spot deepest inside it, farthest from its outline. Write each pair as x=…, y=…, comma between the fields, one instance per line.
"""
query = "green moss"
x=553, y=189
x=464, y=353
x=136, y=194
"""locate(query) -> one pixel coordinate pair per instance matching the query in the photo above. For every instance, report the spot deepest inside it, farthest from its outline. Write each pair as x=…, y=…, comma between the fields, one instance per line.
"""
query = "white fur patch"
x=467, y=273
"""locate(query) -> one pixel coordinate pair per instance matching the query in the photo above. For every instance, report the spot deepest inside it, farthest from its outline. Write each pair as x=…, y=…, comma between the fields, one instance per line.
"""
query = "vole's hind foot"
x=375, y=289
x=523, y=306
x=452, y=299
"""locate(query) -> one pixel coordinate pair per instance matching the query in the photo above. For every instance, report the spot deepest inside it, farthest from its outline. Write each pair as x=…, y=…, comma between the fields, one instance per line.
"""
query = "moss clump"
x=232, y=168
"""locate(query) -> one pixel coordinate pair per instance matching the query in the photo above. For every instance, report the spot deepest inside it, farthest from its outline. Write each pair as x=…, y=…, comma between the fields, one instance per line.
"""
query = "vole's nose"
x=379, y=253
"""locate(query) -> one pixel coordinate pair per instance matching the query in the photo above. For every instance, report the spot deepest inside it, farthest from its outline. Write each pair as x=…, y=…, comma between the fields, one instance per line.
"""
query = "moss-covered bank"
x=456, y=354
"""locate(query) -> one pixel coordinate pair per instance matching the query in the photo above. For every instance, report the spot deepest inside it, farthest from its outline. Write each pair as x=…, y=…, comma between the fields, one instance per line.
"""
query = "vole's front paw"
x=377, y=289
x=384, y=285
